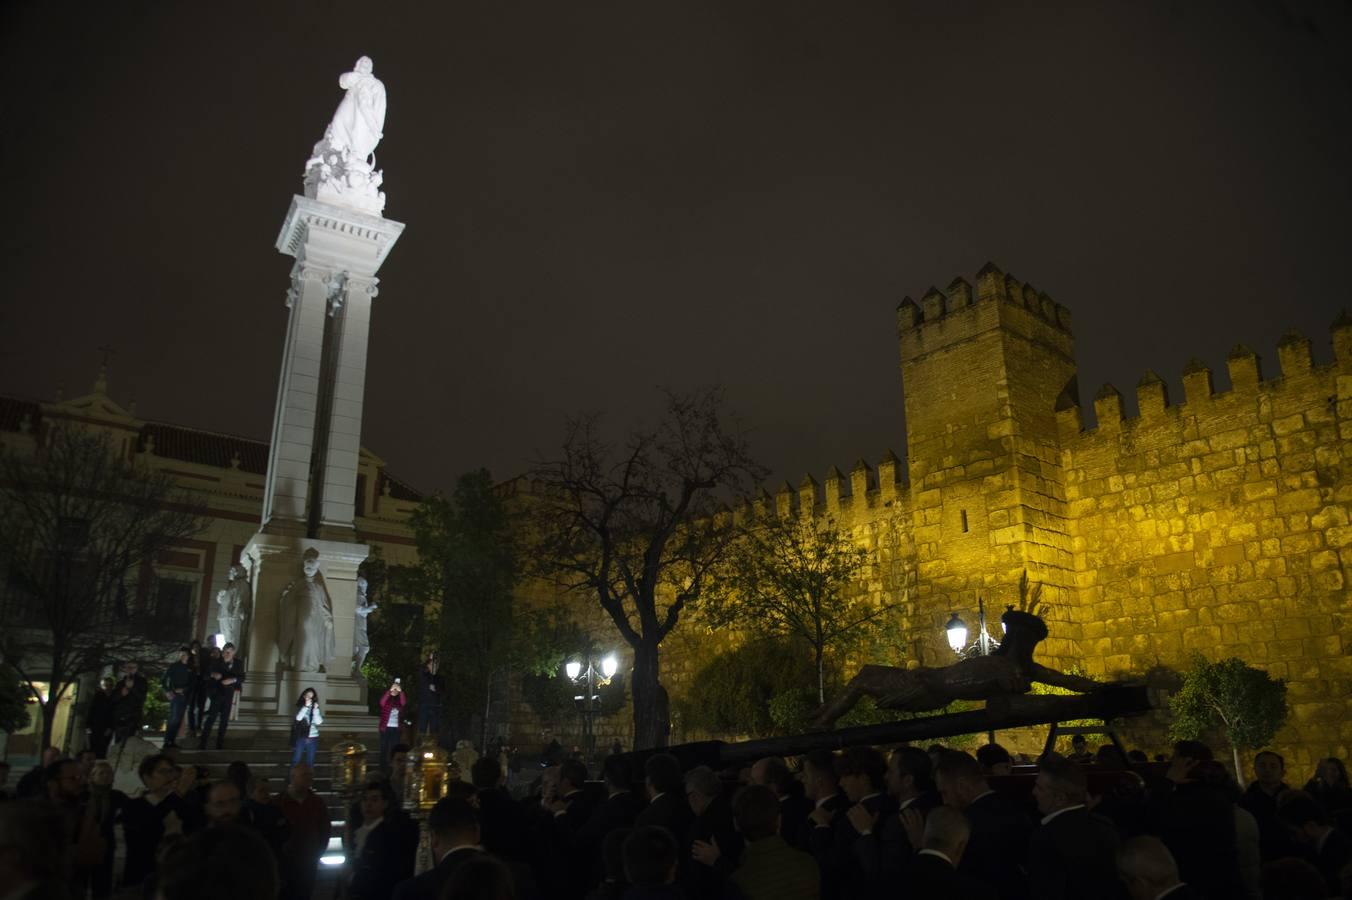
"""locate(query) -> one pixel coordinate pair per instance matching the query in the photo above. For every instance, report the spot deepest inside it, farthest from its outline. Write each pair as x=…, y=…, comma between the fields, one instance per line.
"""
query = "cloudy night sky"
x=606, y=197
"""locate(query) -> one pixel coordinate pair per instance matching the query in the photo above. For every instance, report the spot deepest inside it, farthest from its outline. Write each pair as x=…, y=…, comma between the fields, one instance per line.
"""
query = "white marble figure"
x=361, y=643
x=305, y=635
x=235, y=604
x=341, y=167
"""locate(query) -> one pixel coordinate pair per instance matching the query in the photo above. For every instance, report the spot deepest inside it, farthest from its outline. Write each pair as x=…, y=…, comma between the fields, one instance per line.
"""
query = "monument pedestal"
x=268, y=702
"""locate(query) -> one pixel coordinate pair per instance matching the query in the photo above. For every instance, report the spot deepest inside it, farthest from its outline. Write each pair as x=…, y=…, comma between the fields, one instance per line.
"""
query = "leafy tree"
x=80, y=529
x=1248, y=704
x=639, y=527
x=792, y=576
x=732, y=693
x=469, y=563
x=14, y=713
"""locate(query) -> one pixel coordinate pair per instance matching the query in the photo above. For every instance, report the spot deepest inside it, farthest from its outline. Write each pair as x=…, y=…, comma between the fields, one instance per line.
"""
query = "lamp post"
x=956, y=632
x=588, y=676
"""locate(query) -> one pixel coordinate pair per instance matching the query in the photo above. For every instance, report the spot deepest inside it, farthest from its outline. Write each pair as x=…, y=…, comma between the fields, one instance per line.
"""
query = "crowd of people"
x=851, y=825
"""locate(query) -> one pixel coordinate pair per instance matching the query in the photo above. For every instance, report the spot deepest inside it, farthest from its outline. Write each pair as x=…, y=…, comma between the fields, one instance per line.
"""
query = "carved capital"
x=335, y=286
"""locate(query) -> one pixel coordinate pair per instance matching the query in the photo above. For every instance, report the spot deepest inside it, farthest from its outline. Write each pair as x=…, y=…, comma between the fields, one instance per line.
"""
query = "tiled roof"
x=192, y=445
x=400, y=490
x=205, y=447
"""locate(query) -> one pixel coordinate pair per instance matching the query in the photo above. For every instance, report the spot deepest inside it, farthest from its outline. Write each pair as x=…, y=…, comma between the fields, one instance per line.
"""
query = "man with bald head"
x=933, y=871
x=773, y=772
x=1148, y=870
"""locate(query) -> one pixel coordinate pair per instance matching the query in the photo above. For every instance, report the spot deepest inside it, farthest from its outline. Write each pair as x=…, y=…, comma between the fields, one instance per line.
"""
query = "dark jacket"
x=177, y=678
x=386, y=859
x=1196, y=821
x=998, y=845
x=1333, y=857
x=1074, y=857
x=714, y=825
x=833, y=848
x=1274, y=841
x=928, y=877
x=128, y=707
x=502, y=824
x=882, y=855
x=670, y=811
x=430, y=884
x=233, y=669
x=426, y=682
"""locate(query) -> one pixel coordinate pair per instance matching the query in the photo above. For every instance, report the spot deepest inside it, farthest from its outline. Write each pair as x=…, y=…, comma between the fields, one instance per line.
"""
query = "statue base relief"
x=271, y=687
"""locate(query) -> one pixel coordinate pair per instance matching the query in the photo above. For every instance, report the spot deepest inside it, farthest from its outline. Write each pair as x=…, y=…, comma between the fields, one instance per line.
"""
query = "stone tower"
x=982, y=373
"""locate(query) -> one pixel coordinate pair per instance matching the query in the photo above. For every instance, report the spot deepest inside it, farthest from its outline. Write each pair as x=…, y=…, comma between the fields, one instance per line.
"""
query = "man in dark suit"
x=822, y=788
x=997, y=848
x=1148, y=870
x=1191, y=810
x=383, y=849
x=1327, y=847
x=1073, y=854
x=453, y=834
x=502, y=824
x=882, y=852
x=861, y=772
x=571, y=805
x=667, y=806
x=620, y=807
x=933, y=873
x=794, y=808
x=712, y=826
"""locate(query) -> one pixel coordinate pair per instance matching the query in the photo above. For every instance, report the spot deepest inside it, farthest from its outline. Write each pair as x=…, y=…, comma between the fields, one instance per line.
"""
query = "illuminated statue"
x=361, y=642
x=305, y=636
x=341, y=167
x=1008, y=671
x=235, y=604
x=358, y=124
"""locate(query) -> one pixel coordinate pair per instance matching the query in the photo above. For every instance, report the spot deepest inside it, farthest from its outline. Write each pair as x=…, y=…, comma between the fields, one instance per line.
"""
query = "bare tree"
x=81, y=527
x=638, y=527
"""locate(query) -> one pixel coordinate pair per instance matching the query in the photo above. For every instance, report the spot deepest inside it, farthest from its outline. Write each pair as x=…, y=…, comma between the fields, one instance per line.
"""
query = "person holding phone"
x=305, y=731
x=391, y=708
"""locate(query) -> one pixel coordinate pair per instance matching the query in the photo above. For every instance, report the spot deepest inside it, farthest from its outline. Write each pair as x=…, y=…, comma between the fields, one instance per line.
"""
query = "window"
x=963, y=513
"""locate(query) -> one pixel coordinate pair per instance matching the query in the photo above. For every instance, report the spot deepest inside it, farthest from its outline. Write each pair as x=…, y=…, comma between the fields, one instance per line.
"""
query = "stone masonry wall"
x=1220, y=525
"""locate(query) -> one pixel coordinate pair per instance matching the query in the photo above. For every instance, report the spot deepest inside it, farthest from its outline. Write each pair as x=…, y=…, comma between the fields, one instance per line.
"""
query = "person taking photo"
x=305, y=730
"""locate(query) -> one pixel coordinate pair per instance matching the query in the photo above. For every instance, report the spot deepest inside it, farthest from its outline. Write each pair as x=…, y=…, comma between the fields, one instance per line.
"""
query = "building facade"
x=226, y=474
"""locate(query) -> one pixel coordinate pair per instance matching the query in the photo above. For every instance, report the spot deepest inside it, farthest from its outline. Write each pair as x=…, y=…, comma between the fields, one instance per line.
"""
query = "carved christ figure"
x=305, y=635
x=359, y=122
x=361, y=642
x=1009, y=671
x=235, y=604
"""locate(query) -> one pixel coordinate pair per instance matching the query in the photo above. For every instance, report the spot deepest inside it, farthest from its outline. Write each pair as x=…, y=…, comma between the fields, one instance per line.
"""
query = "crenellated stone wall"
x=1217, y=525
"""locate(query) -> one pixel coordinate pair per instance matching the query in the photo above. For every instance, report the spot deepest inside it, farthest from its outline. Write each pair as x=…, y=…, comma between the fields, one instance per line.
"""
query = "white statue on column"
x=341, y=167
x=305, y=635
x=235, y=604
x=361, y=642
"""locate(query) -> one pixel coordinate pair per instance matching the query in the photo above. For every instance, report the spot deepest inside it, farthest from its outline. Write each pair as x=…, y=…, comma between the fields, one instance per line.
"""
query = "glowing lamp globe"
x=609, y=666
x=574, y=668
x=957, y=633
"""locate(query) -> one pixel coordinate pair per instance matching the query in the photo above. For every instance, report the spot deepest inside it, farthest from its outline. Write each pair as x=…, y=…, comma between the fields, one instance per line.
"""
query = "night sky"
x=605, y=197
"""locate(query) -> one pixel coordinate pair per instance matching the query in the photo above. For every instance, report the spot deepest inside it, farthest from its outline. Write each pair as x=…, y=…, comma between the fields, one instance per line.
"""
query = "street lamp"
x=956, y=632
x=590, y=675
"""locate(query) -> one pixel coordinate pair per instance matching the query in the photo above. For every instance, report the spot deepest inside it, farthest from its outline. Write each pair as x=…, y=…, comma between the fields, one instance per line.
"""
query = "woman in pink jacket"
x=391, y=708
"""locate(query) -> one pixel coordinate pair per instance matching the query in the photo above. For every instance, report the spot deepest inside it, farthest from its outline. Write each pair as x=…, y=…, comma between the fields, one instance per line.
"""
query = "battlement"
x=864, y=488
x=1244, y=366
x=992, y=287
